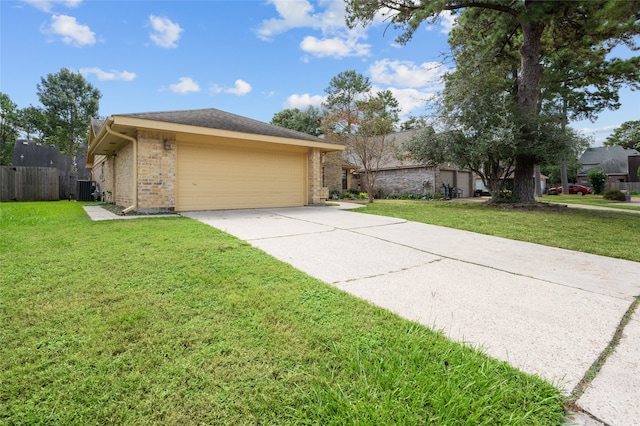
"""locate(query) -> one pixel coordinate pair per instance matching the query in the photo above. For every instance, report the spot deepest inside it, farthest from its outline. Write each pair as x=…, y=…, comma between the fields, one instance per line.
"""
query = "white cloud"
x=303, y=102
x=164, y=32
x=407, y=73
x=241, y=88
x=108, y=75
x=47, y=5
x=301, y=14
x=409, y=99
x=336, y=47
x=447, y=21
x=71, y=31
x=444, y=22
x=186, y=85
x=592, y=131
x=335, y=40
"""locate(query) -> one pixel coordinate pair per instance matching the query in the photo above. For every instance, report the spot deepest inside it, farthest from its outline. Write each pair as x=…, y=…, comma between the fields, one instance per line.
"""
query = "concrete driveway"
x=547, y=311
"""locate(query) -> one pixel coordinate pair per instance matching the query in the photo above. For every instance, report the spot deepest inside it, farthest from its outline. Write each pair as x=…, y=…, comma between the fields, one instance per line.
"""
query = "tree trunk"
x=528, y=93
x=563, y=177
x=523, y=187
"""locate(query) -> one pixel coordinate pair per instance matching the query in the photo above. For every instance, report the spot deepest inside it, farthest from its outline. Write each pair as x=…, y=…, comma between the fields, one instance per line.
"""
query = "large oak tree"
x=525, y=24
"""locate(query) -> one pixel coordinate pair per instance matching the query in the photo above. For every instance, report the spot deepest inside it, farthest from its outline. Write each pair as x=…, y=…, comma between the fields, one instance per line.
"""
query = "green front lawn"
x=613, y=234
x=590, y=200
x=169, y=321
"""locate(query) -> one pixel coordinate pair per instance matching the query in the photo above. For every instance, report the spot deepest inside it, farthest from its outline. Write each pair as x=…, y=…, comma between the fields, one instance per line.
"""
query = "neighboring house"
x=28, y=153
x=401, y=175
x=204, y=159
x=620, y=165
x=66, y=171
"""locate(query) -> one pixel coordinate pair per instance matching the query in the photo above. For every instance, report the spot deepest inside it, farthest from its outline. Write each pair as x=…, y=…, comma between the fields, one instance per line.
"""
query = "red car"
x=573, y=189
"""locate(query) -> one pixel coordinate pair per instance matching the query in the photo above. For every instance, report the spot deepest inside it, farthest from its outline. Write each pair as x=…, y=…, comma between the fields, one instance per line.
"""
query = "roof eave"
x=146, y=124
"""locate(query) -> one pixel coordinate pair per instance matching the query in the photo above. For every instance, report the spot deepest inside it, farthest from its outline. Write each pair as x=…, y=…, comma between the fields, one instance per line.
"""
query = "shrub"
x=615, y=195
x=364, y=195
x=504, y=196
x=597, y=177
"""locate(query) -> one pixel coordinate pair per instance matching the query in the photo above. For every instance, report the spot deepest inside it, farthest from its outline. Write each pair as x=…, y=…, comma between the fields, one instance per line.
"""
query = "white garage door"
x=222, y=177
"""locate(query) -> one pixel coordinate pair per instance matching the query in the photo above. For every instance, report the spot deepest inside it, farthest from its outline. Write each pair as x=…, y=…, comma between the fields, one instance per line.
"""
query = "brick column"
x=157, y=162
x=317, y=193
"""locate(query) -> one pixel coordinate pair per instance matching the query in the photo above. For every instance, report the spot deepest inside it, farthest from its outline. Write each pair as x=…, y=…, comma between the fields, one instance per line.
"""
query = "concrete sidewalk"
x=547, y=311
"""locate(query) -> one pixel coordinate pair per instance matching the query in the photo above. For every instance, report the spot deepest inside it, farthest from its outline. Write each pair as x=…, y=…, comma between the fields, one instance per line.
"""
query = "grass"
x=607, y=233
x=169, y=321
x=590, y=200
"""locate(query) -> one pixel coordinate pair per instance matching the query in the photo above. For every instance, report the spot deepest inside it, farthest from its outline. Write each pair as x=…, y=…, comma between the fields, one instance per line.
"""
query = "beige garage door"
x=222, y=177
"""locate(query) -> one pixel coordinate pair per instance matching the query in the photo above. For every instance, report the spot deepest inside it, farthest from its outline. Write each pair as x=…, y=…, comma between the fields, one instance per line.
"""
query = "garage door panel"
x=216, y=177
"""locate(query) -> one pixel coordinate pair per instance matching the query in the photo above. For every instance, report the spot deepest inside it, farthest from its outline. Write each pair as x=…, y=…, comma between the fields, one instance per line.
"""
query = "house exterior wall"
x=332, y=164
x=634, y=168
x=418, y=180
x=156, y=171
x=422, y=180
x=318, y=193
x=124, y=176
x=103, y=174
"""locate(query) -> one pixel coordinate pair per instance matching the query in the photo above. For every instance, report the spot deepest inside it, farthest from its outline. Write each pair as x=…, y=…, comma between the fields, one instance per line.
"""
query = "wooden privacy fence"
x=628, y=186
x=29, y=184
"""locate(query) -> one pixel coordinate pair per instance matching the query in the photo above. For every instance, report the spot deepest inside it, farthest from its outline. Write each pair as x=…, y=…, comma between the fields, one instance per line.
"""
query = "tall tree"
x=8, y=129
x=305, y=121
x=69, y=103
x=413, y=123
x=627, y=135
x=33, y=122
x=524, y=23
x=343, y=92
x=362, y=121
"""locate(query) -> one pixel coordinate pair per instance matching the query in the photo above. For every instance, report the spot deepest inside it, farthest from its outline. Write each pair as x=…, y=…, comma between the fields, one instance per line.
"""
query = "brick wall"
x=103, y=174
x=318, y=194
x=123, y=182
x=157, y=163
x=408, y=180
x=332, y=164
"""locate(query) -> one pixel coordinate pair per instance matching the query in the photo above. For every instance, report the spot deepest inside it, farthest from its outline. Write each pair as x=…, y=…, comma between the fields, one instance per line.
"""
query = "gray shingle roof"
x=96, y=125
x=612, y=159
x=216, y=119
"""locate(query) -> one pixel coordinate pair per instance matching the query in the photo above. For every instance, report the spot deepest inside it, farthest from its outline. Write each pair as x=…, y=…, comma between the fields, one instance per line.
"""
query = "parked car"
x=573, y=189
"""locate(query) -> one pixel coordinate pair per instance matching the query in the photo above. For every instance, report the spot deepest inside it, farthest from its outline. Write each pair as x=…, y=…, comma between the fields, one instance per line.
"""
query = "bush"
x=615, y=195
x=597, y=177
x=504, y=196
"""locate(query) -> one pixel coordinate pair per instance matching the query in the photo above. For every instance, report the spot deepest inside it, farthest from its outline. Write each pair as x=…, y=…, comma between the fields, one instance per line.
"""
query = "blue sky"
x=253, y=58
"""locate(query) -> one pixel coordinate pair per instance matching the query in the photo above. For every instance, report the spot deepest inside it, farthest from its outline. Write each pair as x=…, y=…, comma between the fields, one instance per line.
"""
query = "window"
x=344, y=179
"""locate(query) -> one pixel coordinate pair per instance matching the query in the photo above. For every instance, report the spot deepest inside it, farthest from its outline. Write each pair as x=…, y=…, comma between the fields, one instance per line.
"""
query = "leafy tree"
x=8, y=129
x=413, y=123
x=33, y=122
x=70, y=102
x=597, y=178
x=554, y=173
x=343, y=92
x=627, y=135
x=525, y=25
x=362, y=121
x=307, y=121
